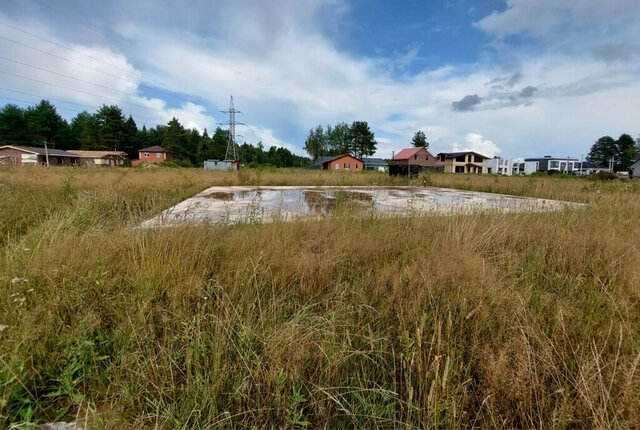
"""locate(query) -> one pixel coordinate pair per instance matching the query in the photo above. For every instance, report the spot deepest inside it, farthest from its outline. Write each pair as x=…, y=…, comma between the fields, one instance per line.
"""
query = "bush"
x=603, y=176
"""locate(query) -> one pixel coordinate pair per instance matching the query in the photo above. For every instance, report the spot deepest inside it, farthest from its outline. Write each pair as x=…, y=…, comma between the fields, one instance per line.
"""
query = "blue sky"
x=503, y=77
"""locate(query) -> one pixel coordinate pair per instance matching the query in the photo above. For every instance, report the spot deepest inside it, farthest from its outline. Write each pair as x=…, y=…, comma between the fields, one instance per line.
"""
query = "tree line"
x=623, y=152
x=109, y=129
x=356, y=139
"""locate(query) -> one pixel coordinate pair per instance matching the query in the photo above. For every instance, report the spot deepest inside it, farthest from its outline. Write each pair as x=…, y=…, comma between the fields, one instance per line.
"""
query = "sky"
x=509, y=78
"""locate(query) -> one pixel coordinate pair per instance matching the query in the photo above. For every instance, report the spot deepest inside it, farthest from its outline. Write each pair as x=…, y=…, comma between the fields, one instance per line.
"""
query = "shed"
x=220, y=165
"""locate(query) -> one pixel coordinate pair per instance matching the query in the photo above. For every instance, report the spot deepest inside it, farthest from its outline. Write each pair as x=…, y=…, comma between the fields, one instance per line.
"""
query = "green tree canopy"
x=44, y=124
x=111, y=126
x=13, y=125
x=363, y=141
x=420, y=139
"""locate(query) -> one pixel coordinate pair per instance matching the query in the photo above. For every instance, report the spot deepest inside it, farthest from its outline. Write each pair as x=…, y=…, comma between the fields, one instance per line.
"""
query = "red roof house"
x=418, y=156
x=152, y=154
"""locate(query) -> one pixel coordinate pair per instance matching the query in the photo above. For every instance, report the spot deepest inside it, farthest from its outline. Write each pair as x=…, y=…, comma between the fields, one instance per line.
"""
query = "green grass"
x=515, y=320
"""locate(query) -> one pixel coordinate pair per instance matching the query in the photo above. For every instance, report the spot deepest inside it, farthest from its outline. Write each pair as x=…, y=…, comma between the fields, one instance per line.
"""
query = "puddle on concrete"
x=267, y=204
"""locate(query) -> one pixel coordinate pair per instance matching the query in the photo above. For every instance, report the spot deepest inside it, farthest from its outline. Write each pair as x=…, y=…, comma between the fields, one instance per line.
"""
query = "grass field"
x=514, y=320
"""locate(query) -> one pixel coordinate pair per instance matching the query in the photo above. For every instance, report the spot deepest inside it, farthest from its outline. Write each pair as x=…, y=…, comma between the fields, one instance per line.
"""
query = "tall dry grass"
x=516, y=320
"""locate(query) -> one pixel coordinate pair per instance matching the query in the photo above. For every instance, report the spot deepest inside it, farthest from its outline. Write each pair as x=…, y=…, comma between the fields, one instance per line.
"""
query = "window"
x=460, y=159
x=60, y=160
x=441, y=157
x=554, y=164
x=146, y=155
x=459, y=169
x=158, y=154
x=337, y=166
x=356, y=166
x=415, y=157
x=347, y=166
x=478, y=159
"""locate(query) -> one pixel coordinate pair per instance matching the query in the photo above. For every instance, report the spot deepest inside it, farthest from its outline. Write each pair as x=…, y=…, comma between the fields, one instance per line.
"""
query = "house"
x=417, y=156
x=100, y=158
x=463, y=162
x=221, y=165
x=340, y=162
x=152, y=154
x=635, y=169
x=375, y=164
x=34, y=156
x=550, y=165
x=502, y=166
x=584, y=168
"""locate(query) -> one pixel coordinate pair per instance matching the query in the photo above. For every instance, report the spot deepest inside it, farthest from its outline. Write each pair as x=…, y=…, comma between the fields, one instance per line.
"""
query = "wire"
x=73, y=103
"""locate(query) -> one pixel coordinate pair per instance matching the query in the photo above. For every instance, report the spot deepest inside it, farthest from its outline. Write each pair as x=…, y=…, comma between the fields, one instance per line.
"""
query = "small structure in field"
x=152, y=154
x=344, y=162
x=221, y=165
x=502, y=166
x=34, y=156
x=463, y=162
x=412, y=161
x=100, y=158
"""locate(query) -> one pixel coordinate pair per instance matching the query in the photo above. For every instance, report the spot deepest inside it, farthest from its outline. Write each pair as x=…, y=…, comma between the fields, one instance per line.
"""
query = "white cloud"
x=475, y=142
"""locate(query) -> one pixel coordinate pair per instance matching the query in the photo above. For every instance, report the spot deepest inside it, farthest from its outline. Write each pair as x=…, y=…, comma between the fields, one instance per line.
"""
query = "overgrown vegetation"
x=515, y=320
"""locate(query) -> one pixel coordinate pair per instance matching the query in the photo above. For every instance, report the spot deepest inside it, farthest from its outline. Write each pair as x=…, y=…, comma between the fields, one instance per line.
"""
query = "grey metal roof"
x=42, y=151
x=459, y=154
x=374, y=162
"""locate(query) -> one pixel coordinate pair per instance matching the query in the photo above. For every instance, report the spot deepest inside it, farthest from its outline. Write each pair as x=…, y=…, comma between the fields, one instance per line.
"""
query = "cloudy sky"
x=504, y=77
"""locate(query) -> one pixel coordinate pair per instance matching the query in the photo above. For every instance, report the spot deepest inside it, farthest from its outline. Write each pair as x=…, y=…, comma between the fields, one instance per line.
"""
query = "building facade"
x=221, y=165
x=375, y=164
x=100, y=158
x=463, y=162
x=345, y=162
x=550, y=165
x=152, y=154
x=501, y=166
x=418, y=156
x=31, y=156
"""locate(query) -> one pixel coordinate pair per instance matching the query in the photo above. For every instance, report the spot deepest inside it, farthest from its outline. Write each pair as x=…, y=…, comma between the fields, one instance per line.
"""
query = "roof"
x=547, y=157
x=41, y=151
x=154, y=148
x=97, y=154
x=407, y=153
x=328, y=158
x=460, y=154
x=374, y=161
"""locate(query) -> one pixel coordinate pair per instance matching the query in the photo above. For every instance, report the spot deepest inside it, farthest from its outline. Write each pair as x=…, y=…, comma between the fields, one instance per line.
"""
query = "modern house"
x=502, y=166
x=463, y=162
x=550, y=165
x=375, y=164
x=152, y=154
x=221, y=165
x=100, y=158
x=34, y=156
x=417, y=156
x=344, y=162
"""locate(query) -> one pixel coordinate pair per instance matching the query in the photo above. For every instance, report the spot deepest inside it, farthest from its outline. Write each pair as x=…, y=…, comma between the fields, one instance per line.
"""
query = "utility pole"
x=46, y=152
x=232, y=153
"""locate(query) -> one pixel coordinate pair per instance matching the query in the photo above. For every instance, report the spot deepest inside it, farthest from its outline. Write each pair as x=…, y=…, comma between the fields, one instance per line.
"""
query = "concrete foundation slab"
x=237, y=204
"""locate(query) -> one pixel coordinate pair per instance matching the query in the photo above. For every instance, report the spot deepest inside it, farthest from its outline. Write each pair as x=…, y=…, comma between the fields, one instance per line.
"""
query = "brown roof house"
x=345, y=162
x=31, y=156
x=152, y=154
x=100, y=158
x=412, y=161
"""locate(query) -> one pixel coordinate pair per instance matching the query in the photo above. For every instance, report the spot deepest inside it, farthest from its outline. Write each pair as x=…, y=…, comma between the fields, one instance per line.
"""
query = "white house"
x=635, y=169
x=500, y=166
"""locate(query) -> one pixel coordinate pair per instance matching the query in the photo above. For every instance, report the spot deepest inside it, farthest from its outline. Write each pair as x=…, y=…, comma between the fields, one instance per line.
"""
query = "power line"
x=73, y=103
x=169, y=93
x=63, y=46
x=77, y=90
